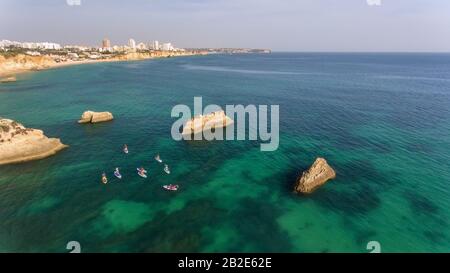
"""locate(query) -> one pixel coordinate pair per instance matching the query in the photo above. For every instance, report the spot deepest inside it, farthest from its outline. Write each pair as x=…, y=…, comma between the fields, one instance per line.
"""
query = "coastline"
x=5, y=72
x=12, y=72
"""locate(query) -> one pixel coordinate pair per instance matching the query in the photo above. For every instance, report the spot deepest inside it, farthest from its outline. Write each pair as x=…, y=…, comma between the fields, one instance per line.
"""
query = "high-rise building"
x=132, y=43
x=106, y=43
x=155, y=45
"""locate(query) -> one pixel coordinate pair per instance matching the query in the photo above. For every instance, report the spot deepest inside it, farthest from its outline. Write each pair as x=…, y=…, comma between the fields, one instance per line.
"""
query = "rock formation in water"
x=317, y=175
x=20, y=144
x=8, y=79
x=95, y=117
x=200, y=123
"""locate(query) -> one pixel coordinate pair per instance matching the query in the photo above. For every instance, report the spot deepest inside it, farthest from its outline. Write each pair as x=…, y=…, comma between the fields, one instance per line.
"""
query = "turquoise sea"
x=381, y=120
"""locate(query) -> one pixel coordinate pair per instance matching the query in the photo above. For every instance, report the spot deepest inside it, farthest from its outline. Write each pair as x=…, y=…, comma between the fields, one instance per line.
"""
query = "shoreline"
x=4, y=73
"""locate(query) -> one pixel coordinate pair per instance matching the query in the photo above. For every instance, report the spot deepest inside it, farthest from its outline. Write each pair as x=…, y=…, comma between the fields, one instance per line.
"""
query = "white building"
x=132, y=43
x=155, y=45
x=28, y=45
x=33, y=53
x=142, y=46
x=167, y=47
x=51, y=46
x=77, y=47
x=117, y=48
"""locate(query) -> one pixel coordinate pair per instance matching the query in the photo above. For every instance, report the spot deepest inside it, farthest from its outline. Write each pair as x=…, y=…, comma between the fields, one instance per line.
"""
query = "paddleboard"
x=141, y=175
x=171, y=187
x=166, y=169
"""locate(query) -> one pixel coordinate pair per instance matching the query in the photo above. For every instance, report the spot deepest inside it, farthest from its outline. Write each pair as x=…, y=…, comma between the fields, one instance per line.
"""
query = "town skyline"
x=107, y=47
x=104, y=43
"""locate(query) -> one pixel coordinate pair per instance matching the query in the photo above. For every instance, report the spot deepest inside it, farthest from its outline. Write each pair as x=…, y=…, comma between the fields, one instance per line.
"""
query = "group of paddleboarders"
x=141, y=172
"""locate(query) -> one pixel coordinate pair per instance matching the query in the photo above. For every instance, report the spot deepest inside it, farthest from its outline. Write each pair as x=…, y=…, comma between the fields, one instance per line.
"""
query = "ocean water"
x=381, y=120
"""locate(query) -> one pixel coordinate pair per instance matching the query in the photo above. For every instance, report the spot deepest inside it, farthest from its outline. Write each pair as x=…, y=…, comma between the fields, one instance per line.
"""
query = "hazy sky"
x=284, y=25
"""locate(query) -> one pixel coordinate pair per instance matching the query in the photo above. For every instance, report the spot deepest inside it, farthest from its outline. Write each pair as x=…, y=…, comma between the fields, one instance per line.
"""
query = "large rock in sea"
x=20, y=144
x=317, y=175
x=200, y=123
x=95, y=117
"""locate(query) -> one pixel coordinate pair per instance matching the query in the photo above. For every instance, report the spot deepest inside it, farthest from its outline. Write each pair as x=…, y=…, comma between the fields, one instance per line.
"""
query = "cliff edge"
x=22, y=62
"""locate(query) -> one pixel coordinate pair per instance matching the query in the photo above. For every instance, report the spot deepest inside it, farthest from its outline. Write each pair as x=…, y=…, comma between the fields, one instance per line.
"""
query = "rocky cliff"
x=317, y=175
x=23, y=62
x=20, y=144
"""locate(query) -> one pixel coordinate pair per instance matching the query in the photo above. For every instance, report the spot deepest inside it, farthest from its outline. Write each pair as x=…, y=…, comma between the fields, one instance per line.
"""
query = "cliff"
x=21, y=62
x=133, y=56
x=20, y=144
x=95, y=117
x=317, y=175
x=200, y=123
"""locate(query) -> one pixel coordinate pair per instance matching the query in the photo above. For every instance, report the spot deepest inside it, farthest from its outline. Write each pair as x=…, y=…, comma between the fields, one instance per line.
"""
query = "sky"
x=281, y=25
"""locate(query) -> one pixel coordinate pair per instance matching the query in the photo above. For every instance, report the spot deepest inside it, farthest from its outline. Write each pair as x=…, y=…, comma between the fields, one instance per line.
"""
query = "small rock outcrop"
x=200, y=123
x=20, y=144
x=95, y=117
x=317, y=175
x=8, y=79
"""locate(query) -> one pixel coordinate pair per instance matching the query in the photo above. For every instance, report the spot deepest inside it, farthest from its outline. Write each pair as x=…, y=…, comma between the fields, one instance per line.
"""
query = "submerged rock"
x=317, y=175
x=8, y=79
x=20, y=144
x=200, y=123
x=95, y=117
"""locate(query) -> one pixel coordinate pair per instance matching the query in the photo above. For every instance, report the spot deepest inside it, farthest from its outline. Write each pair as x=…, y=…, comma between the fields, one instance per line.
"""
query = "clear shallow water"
x=381, y=120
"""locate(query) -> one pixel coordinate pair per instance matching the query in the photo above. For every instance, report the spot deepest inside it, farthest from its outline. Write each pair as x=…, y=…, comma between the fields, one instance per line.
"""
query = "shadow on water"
x=256, y=222
x=181, y=232
x=424, y=208
x=355, y=191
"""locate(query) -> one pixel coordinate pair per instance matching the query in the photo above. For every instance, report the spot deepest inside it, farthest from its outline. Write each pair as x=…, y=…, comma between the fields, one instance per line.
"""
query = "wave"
x=411, y=78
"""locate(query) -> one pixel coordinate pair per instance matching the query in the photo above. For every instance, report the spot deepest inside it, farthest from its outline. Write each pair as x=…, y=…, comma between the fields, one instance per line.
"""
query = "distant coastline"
x=18, y=57
x=20, y=63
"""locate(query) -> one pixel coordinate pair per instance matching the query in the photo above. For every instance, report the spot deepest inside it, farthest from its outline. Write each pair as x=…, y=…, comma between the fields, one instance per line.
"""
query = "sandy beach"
x=11, y=72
